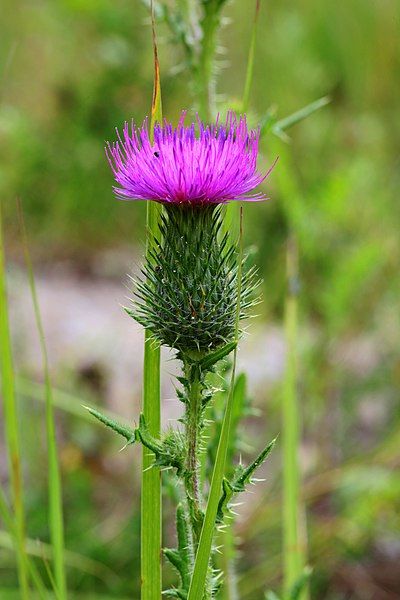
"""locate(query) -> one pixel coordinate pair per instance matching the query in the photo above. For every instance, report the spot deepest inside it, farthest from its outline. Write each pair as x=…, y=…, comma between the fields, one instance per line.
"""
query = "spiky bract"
x=188, y=295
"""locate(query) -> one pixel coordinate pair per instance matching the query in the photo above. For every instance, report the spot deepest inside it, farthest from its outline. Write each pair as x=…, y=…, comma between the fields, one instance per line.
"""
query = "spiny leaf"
x=240, y=480
x=145, y=437
x=301, y=114
x=185, y=549
x=126, y=432
x=208, y=361
x=182, y=557
x=168, y=452
x=227, y=494
x=174, y=558
x=278, y=127
x=246, y=475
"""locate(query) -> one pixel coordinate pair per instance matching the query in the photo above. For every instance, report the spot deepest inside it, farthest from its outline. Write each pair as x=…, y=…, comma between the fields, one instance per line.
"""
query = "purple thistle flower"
x=215, y=164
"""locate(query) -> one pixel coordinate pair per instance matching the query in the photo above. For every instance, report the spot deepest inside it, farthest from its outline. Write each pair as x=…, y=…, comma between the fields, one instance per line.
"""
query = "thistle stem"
x=205, y=82
x=193, y=418
x=291, y=477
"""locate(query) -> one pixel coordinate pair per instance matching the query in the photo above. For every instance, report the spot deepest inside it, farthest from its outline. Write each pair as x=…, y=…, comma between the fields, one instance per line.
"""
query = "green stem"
x=11, y=429
x=192, y=463
x=198, y=583
x=290, y=430
x=55, y=493
x=193, y=418
x=204, y=80
x=294, y=543
x=250, y=60
x=151, y=515
x=151, y=476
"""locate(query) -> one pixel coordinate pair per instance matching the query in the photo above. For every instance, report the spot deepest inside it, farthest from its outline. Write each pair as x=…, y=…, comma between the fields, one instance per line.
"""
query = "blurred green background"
x=71, y=71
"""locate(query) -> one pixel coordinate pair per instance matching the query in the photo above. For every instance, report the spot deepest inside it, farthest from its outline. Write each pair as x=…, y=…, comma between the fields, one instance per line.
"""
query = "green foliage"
x=279, y=127
x=151, y=508
x=11, y=426
x=182, y=557
x=209, y=361
x=168, y=452
x=129, y=434
x=242, y=477
x=56, y=515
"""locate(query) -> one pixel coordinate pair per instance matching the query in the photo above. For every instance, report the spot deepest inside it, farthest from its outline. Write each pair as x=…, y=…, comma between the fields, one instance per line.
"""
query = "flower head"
x=210, y=164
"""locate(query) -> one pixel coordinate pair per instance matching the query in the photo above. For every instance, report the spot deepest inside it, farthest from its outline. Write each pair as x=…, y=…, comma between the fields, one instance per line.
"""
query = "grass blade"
x=56, y=521
x=280, y=126
x=228, y=550
x=232, y=212
x=201, y=564
x=8, y=520
x=11, y=428
x=151, y=516
x=74, y=560
x=290, y=429
x=250, y=60
x=294, y=537
x=65, y=401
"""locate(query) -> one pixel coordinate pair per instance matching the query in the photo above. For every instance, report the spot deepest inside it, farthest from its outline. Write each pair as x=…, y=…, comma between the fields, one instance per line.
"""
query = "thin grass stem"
x=151, y=516
x=11, y=428
x=204, y=75
x=56, y=519
x=232, y=210
x=231, y=223
x=250, y=59
x=8, y=520
x=294, y=542
x=290, y=428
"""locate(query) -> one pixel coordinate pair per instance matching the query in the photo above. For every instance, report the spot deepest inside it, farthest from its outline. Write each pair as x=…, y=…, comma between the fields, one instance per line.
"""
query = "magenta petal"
x=208, y=164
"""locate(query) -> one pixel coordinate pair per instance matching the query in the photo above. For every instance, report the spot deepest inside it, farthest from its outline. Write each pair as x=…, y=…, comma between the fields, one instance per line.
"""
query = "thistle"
x=188, y=295
x=190, y=287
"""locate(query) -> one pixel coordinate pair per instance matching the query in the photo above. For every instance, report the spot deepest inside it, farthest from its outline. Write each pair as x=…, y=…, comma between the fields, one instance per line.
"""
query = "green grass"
x=250, y=60
x=9, y=540
x=11, y=427
x=56, y=519
x=293, y=552
x=293, y=545
x=151, y=515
